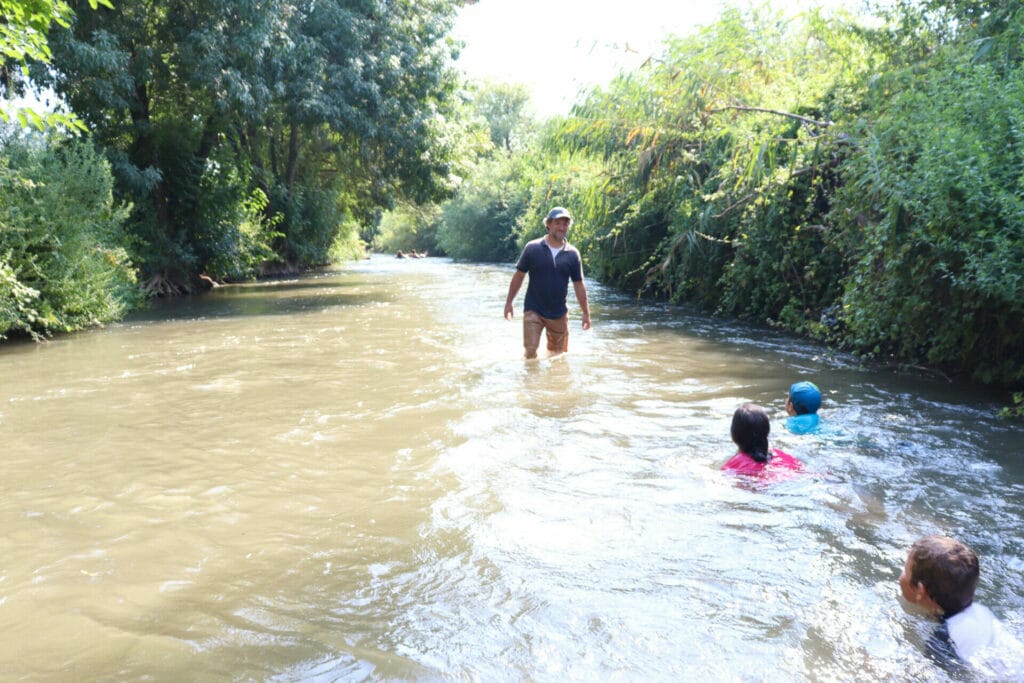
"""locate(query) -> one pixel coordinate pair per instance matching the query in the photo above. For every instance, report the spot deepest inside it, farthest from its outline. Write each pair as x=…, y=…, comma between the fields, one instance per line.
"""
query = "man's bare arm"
x=513, y=289
x=581, y=297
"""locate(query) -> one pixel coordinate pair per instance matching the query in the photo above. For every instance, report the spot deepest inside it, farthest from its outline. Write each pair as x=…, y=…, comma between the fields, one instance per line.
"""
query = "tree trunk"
x=207, y=140
x=293, y=159
x=149, y=156
x=249, y=135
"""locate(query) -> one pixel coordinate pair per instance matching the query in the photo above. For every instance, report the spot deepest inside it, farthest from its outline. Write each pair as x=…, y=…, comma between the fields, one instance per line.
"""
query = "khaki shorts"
x=557, y=332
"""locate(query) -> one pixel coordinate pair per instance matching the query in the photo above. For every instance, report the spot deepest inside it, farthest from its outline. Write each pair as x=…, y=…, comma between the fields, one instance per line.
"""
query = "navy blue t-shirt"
x=549, y=278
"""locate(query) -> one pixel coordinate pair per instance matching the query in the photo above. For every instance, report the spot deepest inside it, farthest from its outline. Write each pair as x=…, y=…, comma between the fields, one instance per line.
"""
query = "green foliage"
x=553, y=177
x=329, y=109
x=347, y=245
x=237, y=233
x=504, y=107
x=788, y=172
x=17, y=301
x=911, y=30
x=862, y=185
x=1015, y=411
x=492, y=129
x=23, y=29
x=310, y=226
x=408, y=227
x=932, y=218
x=782, y=269
x=63, y=264
x=719, y=165
x=502, y=204
x=478, y=224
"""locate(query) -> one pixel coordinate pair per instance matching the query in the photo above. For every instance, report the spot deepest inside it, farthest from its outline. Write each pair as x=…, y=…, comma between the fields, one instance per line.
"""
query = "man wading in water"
x=551, y=262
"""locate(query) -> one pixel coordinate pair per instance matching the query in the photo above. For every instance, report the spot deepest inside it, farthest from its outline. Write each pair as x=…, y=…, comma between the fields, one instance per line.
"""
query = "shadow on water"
x=276, y=298
x=800, y=355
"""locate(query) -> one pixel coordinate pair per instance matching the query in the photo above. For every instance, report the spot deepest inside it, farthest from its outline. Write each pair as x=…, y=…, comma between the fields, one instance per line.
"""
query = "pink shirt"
x=741, y=463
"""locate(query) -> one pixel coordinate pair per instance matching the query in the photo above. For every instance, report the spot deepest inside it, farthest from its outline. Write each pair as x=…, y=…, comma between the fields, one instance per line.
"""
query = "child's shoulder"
x=802, y=424
x=783, y=459
x=979, y=637
x=741, y=463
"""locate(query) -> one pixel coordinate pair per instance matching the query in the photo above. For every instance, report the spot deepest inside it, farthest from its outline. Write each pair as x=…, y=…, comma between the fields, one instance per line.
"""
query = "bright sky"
x=557, y=47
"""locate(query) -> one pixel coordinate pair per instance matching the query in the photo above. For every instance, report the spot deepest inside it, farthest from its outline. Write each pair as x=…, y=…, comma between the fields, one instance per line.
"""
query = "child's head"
x=750, y=429
x=804, y=398
x=941, y=573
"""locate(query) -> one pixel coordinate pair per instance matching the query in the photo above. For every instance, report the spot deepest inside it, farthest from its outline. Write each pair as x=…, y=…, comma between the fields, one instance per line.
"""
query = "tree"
x=328, y=108
x=24, y=25
x=931, y=218
x=62, y=266
x=718, y=161
x=504, y=106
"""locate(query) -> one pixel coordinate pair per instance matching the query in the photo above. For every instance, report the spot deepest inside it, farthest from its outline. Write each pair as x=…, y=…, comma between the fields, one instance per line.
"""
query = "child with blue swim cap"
x=802, y=405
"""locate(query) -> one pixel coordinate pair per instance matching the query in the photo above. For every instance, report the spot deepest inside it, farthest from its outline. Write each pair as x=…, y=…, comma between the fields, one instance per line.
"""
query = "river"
x=353, y=475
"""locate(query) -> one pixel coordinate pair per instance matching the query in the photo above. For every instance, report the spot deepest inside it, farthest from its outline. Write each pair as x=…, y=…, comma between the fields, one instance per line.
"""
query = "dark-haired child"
x=750, y=428
x=940, y=577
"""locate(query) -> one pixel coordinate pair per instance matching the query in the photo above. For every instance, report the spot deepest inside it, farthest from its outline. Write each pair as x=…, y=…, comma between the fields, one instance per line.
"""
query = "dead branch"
x=736, y=107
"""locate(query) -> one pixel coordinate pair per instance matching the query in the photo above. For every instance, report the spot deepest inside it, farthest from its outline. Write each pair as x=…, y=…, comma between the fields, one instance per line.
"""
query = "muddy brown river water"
x=353, y=475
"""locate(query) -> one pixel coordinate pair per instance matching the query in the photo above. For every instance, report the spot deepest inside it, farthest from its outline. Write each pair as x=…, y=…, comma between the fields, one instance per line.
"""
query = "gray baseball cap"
x=557, y=212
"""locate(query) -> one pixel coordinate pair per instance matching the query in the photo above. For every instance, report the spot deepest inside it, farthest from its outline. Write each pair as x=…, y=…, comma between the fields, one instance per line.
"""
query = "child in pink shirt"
x=750, y=427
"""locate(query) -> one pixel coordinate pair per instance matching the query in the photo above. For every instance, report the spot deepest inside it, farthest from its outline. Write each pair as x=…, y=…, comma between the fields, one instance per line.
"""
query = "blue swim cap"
x=805, y=397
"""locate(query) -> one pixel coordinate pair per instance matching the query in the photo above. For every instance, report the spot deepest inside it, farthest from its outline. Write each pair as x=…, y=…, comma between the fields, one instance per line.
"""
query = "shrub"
x=63, y=263
x=478, y=224
x=932, y=217
x=408, y=227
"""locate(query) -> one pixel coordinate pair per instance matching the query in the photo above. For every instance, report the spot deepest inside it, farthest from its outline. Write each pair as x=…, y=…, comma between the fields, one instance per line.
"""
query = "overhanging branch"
x=763, y=110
